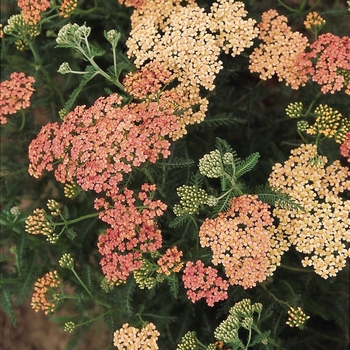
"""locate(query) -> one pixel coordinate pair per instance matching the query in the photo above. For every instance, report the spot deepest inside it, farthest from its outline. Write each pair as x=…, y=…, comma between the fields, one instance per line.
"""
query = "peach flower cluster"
x=131, y=338
x=240, y=240
x=313, y=19
x=15, y=94
x=132, y=231
x=32, y=9
x=43, y=288
x=321, y=231
x=204, y=282
x=96, y=146
x=278, y=51
x=170, y=261
x=345, y=147
x=67, y=7
x=187, y=40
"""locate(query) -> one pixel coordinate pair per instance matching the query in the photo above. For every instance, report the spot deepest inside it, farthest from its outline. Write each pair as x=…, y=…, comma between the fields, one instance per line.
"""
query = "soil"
x=35, y=331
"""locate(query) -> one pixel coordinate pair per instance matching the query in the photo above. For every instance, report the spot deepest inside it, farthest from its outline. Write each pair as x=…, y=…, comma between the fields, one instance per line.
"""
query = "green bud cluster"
x=106, y=285
x=297, y=318
x=143, y=275
x=188, y=342
x=69, y=327
x=18, y=27
x=302, y=125
x=294, y=109
x=240, y=315
x=211, y=164
x=66, y=261
x=191, y=199
x=71, y=190
x=54, y=207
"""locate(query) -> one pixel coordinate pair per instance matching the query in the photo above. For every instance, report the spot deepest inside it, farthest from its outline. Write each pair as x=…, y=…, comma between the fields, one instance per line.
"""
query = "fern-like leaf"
x=178, y=162
x=247, y=165
x=71, y=234
x=173, y=283
x=179, y=221
x=6, y=305
x=90, y=73
x=276, y=199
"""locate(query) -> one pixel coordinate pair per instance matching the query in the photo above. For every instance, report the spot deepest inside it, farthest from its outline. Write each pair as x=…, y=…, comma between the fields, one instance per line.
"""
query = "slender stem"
x=73, y=221
x=82, y=283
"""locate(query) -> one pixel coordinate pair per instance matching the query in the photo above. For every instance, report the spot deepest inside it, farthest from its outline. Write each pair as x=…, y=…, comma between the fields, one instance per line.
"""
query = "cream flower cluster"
x=187, y=40
x=322, y=231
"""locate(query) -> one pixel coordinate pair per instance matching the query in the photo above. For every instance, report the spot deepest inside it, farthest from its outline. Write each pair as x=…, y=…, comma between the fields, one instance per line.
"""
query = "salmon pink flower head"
x=345, y=147
x=96, y=146
x=15, y=94
x=204, y=282
x=32, y=9
x=133, y=231
x=327, y=62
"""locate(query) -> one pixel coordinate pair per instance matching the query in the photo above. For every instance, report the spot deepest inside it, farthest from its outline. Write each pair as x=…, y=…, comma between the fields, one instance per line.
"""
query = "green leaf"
x=247, y=165
x=90, y=73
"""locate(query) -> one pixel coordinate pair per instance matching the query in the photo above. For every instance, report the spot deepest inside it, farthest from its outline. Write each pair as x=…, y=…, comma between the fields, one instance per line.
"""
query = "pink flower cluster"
x=345, y=147
x=331, y=68
x=240, y=240
x=204, y=282
x=15, y=94
x=96, y=146
x=132, y=231
x=31, y=9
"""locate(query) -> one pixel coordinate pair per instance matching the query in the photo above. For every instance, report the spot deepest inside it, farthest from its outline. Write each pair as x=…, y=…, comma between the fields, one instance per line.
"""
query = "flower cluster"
x=131, y=338
x=279, y=50
x=132, y=3
x=204, y=282
x=32, y=9
x=188, y=342
x=170, y=261
x=43, y=288
x=191, y=199
x=97, y=145
x=240, y=315
x=210, y=164
x=38, y=223
x=148, y=81
x=67, y=7
x=321, y=230
x=187, y=40
x=20, y=29
x=15, y=94
x=313, y=19
x=240, y=240
x=331, y=68
x=345, y=147
x=296, y=318
x=132, y=232
x=329, y=123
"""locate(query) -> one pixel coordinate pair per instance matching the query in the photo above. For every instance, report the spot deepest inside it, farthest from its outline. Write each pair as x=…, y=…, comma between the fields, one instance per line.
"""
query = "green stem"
x=82, y=283
x=73, y=221
x=297, y=269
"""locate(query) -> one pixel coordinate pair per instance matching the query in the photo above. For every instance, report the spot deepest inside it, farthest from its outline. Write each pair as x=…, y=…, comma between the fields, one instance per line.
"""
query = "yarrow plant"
x=177, y=171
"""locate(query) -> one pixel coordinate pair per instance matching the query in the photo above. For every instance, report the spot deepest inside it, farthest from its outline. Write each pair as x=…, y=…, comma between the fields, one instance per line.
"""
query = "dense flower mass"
x=131, y=338
x=15, y=94
x=45, y=287
x=345, y=147
x=240, y=240
x=278, y=51
x=186, y=40
x=132, y=232
x=327, y=62
x=204, y=282
x=32, y=9
x=97, y=145
x=321, y=231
